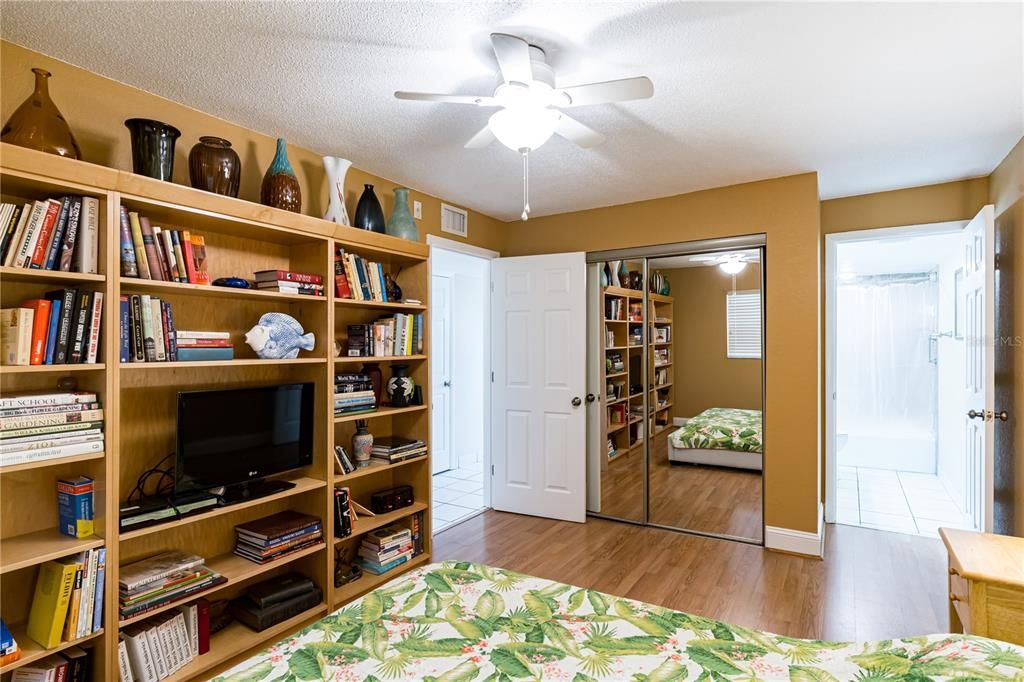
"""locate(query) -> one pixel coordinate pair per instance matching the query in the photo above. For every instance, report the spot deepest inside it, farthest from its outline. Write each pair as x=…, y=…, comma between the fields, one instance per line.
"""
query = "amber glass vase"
x=38, y=124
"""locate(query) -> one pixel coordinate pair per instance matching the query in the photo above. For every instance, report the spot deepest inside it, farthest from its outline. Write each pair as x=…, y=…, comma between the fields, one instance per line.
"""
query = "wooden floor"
x=871, y=585
x=706, y=499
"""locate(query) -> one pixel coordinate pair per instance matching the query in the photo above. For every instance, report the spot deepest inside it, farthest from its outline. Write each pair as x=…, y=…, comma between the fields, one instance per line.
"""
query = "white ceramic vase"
x=336, y=169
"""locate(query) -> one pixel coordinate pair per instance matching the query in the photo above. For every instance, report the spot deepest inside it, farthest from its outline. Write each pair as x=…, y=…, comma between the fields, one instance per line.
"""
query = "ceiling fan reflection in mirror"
x=730, y=263
x=529, y=103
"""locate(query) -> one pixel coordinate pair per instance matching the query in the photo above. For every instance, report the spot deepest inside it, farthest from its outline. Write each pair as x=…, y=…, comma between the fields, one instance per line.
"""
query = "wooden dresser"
x=986, y=584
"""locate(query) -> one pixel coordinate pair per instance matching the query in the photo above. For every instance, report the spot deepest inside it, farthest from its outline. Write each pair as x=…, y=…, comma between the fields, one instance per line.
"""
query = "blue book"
x=378, y=569
x=205, y=354
x=172, y=333
x=51, y=332
x=101, y=570
x=380, y=277
x=52, y=254
x=125, y=329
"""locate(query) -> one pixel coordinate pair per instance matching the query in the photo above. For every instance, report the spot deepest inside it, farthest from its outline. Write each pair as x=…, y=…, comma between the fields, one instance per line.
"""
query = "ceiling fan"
x=530, y=104
x=731, y=263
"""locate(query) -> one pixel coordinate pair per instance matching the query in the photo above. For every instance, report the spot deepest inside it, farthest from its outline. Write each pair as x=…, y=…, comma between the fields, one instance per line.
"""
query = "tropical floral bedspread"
x=462, y=622
x=721, y=428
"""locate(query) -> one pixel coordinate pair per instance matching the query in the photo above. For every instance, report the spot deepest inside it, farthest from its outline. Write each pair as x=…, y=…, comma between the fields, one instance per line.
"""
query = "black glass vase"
x=369, y=214
x=152, y=147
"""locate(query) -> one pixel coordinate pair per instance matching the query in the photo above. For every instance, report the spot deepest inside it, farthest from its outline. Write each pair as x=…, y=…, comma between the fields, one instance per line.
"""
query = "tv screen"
x=234, y=436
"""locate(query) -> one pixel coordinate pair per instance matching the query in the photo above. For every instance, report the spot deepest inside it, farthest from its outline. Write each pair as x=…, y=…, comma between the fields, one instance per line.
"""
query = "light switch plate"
x=417, y=210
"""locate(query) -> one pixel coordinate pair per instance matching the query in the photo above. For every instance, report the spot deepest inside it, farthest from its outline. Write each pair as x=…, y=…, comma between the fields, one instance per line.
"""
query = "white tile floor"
x=458, y=494
x=897, y=501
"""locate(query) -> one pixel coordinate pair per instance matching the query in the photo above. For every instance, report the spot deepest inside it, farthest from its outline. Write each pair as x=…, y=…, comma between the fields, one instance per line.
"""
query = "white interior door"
x=538, y=332
x=440, y=372
x=979, y=376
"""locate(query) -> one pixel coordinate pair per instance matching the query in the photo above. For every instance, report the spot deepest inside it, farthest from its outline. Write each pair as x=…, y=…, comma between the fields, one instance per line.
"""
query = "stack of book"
x=277, y=535
x=148, y=334
x=68, y=600
x=152, y=252
x=62, y=328
x=394, y=335
x=55, y=234
x=160, y=646
x=392, y=449
x=41, y=426
x=288, y=282
x=359, y=279
x=353, y=394
x=384, y=549
x=159, y=580
x=204, y=345
x=70, y=665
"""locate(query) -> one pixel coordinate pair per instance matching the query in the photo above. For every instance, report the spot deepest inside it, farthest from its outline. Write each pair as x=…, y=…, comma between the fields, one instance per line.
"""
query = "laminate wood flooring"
x=872, y=584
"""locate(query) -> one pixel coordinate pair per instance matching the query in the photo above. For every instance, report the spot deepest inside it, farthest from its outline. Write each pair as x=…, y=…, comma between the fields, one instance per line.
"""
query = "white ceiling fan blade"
x=513, y=57
x=481, y=139
x=479, y=100
x=701, y=259
x=622, y=90
x=576, y=132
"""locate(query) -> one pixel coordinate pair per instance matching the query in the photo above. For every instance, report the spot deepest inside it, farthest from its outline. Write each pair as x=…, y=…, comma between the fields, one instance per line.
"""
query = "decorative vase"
x=280, y=187
x=337, y=169
x=372, y=369
x=369, y=214
x=400, y=386
x=362, y=444
x=402, y=224
x=152, y=147
x=391, y=287
x=623, y=274
x=613, y=272
x=38, y=124
x=604, y=274
x=214, y=166
x=636, y=280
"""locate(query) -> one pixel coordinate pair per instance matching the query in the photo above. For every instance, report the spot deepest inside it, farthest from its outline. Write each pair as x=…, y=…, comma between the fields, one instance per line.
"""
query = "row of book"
x=41, y=426
x=152, y=252
x=394, y=335
x=68, y=600
x=278, y=535
x=353, y=394
x=148, y=334
x=290, y=282
x=62, y=328
x=158, y=647
x=359, y=279
x=53, y=234
x=394, y=449
x=73, y=664
x=166, y=577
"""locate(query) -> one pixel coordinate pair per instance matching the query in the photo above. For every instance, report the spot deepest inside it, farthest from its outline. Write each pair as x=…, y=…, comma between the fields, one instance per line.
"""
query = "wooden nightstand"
x=986, y=584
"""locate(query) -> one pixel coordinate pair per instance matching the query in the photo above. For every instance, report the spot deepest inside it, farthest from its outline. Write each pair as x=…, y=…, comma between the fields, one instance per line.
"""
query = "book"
x=124, y=665
x=66, y=299
x=21, y=456
x=179, y=256
x=260, y=543
x=199, y=258
x=49, y=669
x=188, y=354
x=95, y=321
x=18, y=216
x=155, y=568
x=204, y=343
x=40, y=326
x=86, y=252
x=124, y=328
x=79, y=327
x=159, y=342
x=70, y=240
x=172, y=332
x=277, y=525
x=45, y=398
x=148, y=329
x=139, y=653
x=388, y=535
x=71, y=621
x=52, y=332
x=24, y=248
x=38, y=430
x=137, y=243
x=98, y=584
x=184, y=334
x=287, y=276
x=149, y=245
x=167, y=239
x=41, y=244
x=129, y=268
x=50, y=601
x=52, y=257
x=49, y=419
x=75, y=507
x=188, y=256
x=79, y=663
x=14, y=237
x=16, y=336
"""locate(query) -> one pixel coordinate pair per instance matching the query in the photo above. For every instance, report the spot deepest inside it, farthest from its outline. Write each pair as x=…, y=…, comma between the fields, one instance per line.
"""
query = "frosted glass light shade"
x=523, y=127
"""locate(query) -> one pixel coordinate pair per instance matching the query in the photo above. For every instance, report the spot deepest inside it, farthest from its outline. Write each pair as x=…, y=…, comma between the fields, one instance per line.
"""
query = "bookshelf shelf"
x=379, y=305
x=59, y=461
x=235, y=569
x=237, y=362
x=365, y=524
x=379, y=412
x=181, y=289
x=32, y=652
x=51, y=369
x=345, y=360
x=375, y=467
x=369, y=582
x=11, y=274
x=30, y=549
x=302, y=485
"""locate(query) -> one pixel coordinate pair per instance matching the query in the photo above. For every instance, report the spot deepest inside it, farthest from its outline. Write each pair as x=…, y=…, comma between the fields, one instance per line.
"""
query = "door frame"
x=832, y=242
x=434, y=241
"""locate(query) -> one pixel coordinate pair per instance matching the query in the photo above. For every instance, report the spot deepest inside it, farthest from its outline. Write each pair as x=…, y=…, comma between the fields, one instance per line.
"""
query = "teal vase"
x=280, y=187
x=401, y=224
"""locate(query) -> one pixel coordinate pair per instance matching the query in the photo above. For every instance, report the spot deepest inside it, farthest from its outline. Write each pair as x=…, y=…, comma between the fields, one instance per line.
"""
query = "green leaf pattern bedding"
x=463, y=622
x=721, y=428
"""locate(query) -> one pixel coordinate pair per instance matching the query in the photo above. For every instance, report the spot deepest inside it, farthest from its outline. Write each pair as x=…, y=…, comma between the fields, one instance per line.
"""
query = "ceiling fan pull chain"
x=525, y=151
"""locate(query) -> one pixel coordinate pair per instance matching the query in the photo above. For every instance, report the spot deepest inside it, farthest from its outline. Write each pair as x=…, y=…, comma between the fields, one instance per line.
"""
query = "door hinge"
x=492, y=470
x=492, y=377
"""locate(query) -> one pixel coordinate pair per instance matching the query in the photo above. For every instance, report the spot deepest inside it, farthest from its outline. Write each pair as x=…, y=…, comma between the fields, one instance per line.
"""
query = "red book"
x=40, y=327
x=189, y=256
x=149, y=243
x=204, y=625
x=45, y=234
x=288, y=276
x=341, y=288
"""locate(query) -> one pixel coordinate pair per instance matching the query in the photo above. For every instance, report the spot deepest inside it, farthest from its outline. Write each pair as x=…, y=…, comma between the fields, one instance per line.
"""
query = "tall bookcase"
x=139, y=399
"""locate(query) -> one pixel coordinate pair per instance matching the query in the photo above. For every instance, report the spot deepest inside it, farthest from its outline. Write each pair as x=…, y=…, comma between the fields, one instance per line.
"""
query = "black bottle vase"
x=369, y=214
x=152, y=147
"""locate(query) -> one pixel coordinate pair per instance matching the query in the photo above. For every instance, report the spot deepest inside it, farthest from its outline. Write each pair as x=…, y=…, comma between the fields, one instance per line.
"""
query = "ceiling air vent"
x=454, y=220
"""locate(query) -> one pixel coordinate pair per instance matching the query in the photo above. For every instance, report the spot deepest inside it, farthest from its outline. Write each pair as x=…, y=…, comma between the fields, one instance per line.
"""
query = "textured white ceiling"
x=872, y=96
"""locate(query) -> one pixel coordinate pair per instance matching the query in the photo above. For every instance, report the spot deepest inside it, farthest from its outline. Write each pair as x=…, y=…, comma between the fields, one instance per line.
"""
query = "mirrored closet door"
x=677, y=340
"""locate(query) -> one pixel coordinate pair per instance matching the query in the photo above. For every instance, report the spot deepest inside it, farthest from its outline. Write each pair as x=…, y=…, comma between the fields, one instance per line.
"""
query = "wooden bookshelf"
x=139, y=399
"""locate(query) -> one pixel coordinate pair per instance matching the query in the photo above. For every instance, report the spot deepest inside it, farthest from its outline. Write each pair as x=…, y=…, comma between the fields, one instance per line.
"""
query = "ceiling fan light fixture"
x=523, y=127
x=732, y=266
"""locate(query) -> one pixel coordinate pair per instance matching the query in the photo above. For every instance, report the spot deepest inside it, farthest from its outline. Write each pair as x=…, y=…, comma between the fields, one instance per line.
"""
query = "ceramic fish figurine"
x=278, y=336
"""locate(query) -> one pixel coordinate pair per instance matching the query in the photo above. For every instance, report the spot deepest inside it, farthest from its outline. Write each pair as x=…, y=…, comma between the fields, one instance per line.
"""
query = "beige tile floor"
x=897, y=501
x=458, y=494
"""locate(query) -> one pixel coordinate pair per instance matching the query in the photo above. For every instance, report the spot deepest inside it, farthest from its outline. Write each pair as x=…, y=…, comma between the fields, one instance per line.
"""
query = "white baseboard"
x=797, y=541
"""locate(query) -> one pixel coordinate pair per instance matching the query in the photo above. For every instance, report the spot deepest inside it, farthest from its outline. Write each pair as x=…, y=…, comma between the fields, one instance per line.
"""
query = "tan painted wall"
x=960, y=200
x=96, y=108
x=703, y=376
x=787, y=211
x=1006, y=192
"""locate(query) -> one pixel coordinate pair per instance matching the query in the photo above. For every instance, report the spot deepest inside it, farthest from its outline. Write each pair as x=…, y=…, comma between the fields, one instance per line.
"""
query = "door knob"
x=447, y=384
x=591, y=398
x=1002, y=416
x=975, y=414
x=576, y=402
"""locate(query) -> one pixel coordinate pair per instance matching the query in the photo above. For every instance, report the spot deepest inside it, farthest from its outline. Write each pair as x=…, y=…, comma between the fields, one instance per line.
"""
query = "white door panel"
x=440, y=372
x=539, y=336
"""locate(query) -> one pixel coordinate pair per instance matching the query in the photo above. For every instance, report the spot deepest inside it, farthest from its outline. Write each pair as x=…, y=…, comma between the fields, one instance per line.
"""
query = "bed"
x=719, y=436
x=463, y=622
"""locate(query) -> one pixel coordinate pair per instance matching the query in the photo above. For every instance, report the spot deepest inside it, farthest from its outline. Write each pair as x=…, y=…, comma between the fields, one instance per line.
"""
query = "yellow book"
x=50, y=602
x=71, y=622
x=140, y=248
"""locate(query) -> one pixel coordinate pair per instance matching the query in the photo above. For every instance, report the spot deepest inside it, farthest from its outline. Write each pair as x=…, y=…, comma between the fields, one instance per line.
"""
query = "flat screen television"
x=233, y=439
